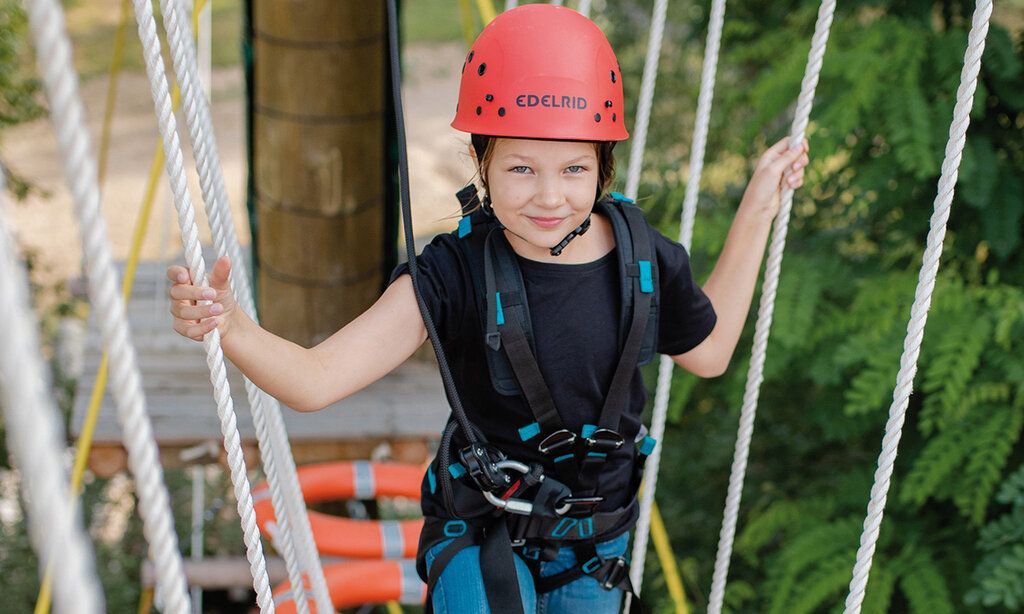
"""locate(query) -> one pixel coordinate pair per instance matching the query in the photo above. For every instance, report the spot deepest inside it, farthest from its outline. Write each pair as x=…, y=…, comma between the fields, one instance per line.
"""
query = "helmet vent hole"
x=501, y=112
x=613, y=76
x=469, y=58
x=489, y=97
x=607, y=104
x=597, y=117
x=481, y=69
x=479, y=110
x=613, y=117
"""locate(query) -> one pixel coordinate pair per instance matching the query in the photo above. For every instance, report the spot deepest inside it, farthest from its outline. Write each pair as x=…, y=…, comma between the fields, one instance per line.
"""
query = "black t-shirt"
x=575, y=313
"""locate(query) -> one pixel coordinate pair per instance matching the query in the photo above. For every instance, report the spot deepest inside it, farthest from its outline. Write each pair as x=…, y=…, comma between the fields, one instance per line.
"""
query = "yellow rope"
x=668, y=561
x=466, y=12
x=100, y=385
x=394, y=608
x=115, y=72
x=146, y=601
x=487, y=12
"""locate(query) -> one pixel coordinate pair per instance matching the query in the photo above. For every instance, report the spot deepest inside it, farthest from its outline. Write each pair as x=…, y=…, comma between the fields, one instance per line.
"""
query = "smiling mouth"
x=546, y=222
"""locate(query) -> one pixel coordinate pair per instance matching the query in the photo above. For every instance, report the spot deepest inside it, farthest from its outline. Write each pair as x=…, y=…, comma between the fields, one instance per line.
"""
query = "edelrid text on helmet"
x=542, y=71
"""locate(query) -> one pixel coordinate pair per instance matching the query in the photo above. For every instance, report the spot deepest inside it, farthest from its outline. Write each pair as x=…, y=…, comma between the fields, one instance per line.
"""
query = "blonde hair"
x=483, y=148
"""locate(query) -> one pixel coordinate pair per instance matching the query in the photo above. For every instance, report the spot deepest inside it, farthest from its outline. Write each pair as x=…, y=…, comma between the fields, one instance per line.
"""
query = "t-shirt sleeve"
x=442, y=283
x=686, y=316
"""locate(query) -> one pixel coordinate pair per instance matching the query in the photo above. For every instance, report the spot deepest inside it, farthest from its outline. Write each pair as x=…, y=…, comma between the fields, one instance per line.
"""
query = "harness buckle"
x=605, y=440
x=615, y=572
x=561, y=438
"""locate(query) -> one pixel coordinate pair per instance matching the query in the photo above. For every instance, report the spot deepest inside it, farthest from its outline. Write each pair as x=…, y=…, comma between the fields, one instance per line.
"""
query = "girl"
x=546, y=300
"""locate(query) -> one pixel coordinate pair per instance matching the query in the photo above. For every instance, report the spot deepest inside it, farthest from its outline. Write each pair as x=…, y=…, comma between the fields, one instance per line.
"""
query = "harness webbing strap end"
x=529, y=431
x=647, y=445
x=500, y=317
x=457, y=470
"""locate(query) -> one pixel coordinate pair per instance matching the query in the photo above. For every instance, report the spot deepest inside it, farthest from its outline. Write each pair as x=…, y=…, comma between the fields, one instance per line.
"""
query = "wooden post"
x=320, y=178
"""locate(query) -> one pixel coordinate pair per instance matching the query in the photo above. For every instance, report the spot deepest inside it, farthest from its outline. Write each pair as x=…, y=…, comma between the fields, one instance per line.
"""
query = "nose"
x=550, y=194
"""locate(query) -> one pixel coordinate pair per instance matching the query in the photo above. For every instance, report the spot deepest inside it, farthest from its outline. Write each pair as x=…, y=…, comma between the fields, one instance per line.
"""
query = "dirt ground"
x=46, y=224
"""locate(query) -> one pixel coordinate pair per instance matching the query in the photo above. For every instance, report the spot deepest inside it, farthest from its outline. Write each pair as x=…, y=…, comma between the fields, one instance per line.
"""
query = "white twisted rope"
x=299, y=554
x=584, y=8
x=755, y=374
x=61, y=83
x=922, y=302
x=511, y=4
x=36, y=440
x=661, y=395
x=643, y=112
x=197, y=268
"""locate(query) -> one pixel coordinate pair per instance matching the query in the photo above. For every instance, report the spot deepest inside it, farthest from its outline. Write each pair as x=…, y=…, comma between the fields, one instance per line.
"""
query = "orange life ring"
x=347, y=537
x=354, y=583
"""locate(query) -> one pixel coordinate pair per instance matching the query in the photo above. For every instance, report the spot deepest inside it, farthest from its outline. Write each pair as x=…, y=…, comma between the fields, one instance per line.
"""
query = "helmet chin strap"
x=558, y=248
x=582, y=228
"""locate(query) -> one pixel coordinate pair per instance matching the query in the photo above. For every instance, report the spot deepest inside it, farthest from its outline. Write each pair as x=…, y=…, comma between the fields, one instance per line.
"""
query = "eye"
x=576, y=169
x=520, y=169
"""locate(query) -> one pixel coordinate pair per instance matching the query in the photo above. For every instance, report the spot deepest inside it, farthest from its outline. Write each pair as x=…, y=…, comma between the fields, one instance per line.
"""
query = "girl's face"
x=541, y=191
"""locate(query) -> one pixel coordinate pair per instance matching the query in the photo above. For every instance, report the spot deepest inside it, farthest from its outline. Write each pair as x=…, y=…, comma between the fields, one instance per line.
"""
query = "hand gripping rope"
x=922, y=302
x=36, y=440
x=296, y=546
x=54, y=64
x=197, y=269
x=665, y=365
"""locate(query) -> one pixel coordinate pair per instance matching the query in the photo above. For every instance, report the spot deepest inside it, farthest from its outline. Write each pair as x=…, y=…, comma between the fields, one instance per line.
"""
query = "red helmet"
x=545, y=72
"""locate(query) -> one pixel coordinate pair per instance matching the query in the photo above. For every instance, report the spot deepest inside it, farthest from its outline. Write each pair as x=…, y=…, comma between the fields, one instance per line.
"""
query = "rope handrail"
x=36, y=441
x=294, y=538
x=666, y=365
x=197, y=269
x=922, y=301
x=53, y=58
x=766, y=309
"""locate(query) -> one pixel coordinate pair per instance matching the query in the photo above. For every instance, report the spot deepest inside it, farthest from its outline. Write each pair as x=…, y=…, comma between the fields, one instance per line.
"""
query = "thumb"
x=221, y=274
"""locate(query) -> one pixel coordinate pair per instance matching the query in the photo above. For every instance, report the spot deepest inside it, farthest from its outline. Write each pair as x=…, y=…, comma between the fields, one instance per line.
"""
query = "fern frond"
x=1005, y=530
x=1012, y=490
x=808, y=550
x=993, y=443
x=779, y=518
x=925, y=588
x=881, y=585
x=956, y=356
x=828, y=580
x=999, y=579
x=943, y=454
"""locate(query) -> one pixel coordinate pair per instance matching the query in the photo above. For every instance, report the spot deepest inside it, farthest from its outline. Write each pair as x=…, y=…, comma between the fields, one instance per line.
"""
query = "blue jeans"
x=460, y=589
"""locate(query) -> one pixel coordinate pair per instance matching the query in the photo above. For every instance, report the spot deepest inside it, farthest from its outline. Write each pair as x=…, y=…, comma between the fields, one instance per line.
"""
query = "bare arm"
x=306, y=379
x=731, y=284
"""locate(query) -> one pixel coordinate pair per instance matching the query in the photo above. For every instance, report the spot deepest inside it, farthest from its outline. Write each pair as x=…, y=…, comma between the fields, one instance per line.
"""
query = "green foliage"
x=18, y=87
x=877, y=135
x=999, y=575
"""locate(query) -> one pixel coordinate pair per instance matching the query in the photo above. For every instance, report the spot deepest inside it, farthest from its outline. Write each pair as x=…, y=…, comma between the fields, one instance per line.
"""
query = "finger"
x=178, y=274
x=198, y=312
x=186, y=292
x=198, y=331
x=220, y=274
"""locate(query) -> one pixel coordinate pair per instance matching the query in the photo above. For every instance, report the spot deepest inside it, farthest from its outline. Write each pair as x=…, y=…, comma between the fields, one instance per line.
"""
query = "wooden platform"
x=406, y=410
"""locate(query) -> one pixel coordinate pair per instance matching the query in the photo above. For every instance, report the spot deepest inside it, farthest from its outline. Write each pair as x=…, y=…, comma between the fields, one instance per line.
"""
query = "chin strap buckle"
x=582, y=228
